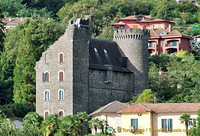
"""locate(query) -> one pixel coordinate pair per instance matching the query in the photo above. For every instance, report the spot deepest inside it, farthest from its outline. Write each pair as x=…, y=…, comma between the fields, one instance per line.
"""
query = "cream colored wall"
x=144, y=124
x=113, y=119
x=176, y=124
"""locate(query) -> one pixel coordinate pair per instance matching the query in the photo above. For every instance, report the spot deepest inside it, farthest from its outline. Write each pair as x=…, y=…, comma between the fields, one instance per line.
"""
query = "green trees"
x=23, y=47
x=174, y=79
x=146, y=96
x=196, y=129
x=32, y=125
x=185, y=118
x=1, y=31
x=94, y=123
x=16, y=8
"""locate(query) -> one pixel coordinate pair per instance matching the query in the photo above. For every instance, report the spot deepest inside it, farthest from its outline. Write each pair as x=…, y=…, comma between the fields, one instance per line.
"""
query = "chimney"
x=170, y=27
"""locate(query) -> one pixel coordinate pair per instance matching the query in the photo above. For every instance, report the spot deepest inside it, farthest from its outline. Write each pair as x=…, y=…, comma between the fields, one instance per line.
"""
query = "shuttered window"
x=166, y=125
x=45, y=77
x=60, y=76
x=134, y=124
x=45, y=115
x=61, y=59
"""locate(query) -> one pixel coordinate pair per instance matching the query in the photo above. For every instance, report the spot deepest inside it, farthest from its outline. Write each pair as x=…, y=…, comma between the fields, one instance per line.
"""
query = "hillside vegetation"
x=22, y=47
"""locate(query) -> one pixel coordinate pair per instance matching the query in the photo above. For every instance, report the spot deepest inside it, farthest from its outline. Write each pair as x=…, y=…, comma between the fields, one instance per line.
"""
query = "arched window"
x=61, y=94
x=60, y=114
x=45, y=77
x=46, y=113
x=47, y=95
x=61, y=58
x=61, y=74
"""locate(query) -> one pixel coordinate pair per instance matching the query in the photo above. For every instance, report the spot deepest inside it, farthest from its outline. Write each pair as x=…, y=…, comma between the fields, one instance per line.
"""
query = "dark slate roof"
x=104, y=54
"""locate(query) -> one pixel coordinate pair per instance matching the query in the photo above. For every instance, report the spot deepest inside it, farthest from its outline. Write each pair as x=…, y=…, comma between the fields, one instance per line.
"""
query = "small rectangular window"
x=166, y=125
x=134, y=124
x=123, y=27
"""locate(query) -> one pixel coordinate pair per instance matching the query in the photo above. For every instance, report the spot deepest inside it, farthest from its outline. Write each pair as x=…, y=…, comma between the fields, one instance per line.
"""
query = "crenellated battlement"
x=82, y=23
x=131, y=34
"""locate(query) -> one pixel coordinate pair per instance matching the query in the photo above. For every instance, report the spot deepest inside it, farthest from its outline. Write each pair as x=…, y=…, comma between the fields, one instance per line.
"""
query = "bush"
x=146, y=96
x=16, y=110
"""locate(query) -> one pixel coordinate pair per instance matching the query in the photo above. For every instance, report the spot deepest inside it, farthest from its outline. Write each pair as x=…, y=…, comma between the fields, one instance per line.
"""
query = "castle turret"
x=134, y=45
x=82, y=31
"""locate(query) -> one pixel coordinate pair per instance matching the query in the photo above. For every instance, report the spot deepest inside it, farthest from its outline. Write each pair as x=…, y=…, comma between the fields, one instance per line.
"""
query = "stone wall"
x=102, y=92
x=134, y=45
x=49, y=62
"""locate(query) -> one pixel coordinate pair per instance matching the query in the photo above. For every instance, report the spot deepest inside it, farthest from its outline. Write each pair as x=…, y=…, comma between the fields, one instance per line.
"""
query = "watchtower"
x=134, y=45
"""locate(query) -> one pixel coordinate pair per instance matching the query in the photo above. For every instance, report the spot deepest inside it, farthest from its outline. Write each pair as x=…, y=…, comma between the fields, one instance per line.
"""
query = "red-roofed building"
x=163, y=38
x=12, y=22
x=147, y=119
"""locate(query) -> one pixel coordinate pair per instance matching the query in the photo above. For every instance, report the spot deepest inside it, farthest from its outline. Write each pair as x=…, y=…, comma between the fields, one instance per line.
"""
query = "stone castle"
x=80, y=73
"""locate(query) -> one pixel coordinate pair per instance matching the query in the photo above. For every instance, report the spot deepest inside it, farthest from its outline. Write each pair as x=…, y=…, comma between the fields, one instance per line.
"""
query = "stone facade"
x=95, y=72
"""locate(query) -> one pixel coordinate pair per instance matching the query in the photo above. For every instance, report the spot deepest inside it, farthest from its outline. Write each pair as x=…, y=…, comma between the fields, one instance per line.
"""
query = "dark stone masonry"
x=80, y=73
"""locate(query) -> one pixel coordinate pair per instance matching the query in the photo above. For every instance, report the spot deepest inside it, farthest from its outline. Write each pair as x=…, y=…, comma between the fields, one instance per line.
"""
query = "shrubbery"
x=33, y=125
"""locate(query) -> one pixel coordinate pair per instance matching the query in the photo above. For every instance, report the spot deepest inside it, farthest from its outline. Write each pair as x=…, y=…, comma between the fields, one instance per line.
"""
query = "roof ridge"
x=146, y=106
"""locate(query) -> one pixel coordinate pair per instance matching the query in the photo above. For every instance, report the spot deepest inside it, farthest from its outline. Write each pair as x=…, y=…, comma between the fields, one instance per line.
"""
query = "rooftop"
x=118, y=107
x=143, y=18
x=112, y=107
x=104, y=54
x=168, y=34
x=16, y=20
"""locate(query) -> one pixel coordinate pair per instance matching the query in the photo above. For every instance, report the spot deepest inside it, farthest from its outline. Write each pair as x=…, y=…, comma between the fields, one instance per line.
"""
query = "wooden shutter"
x=170, y=124
x=131, y=122
x=163, y=124
x=61, y=58
x=47, y=77
x=43, y=77
x=45, y=115
x=194, y=122
x=61, y=76
x=136, y=124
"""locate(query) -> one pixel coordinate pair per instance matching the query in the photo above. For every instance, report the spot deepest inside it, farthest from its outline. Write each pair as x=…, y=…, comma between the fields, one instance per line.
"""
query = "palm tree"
x=82, y=117
x=94, y=123
x=103, y=125
x=51, y=125
x=185, y=118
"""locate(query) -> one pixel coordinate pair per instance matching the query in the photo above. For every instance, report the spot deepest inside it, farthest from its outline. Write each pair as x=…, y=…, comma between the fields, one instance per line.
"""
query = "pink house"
x=163, y=38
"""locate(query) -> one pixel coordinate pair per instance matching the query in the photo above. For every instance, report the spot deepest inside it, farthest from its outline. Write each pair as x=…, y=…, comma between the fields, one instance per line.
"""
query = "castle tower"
x=62, y=72
x=134, y=45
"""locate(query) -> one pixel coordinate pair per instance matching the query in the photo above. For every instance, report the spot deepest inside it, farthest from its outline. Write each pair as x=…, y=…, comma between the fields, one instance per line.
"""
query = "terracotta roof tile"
x=173, y=33
x=12, y=20
x=197, y=36
x=153, y=34
x=147, y=19
x=137, y=108
x=119, y=23
x=173, y=107
x=128, y=18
